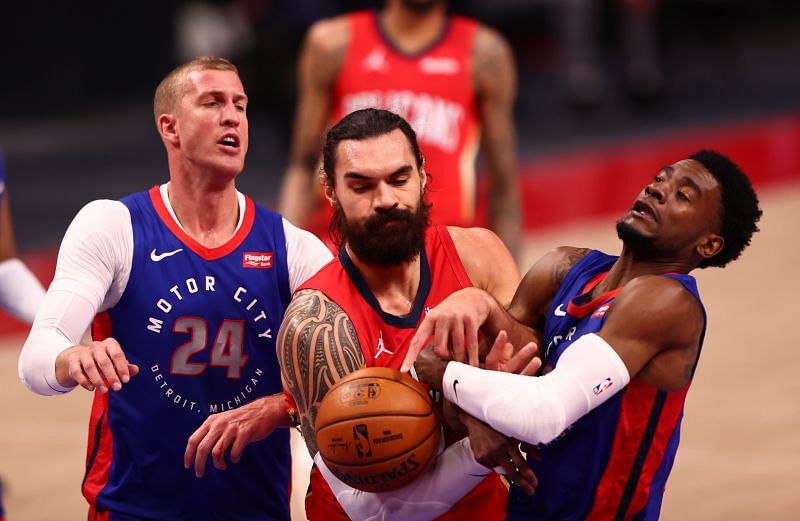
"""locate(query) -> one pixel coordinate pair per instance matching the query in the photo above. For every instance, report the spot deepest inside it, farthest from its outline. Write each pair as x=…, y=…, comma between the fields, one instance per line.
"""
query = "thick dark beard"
x=384, y=246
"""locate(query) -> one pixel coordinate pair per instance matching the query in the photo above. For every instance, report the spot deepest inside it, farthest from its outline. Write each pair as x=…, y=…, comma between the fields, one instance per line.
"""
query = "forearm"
x=537, y=409
x=499, y=319
x=59, y=327
x=449, y=478
x=20, y=291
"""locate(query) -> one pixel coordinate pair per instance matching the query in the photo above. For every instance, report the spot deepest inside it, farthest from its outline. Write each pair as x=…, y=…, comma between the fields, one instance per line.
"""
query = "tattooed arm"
x=317, y=347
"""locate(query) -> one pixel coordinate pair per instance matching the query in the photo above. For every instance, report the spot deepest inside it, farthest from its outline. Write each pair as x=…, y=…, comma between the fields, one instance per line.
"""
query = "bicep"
x=649, y=317
x=317, y=347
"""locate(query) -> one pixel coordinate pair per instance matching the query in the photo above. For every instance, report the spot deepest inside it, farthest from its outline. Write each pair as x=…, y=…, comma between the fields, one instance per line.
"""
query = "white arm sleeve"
x=537, y=409
x=449, y=478
x=94, y=264
x=20, y=291
x=305, y=254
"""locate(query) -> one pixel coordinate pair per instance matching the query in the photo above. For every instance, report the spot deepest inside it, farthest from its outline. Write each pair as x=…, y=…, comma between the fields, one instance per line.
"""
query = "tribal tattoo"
x=317, y=347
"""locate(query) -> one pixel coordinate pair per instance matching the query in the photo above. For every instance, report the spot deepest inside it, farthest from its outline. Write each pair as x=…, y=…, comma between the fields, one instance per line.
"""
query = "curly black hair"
x=739, y=212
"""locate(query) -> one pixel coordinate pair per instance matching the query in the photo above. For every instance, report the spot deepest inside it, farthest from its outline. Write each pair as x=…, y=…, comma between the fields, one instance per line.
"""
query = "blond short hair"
x=173, y=86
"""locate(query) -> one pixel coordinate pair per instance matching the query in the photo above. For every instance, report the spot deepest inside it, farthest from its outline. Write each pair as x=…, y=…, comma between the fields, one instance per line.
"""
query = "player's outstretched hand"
x=233, y=430
x=454, y=325
x=99, y=365
x=499, y=452
x=502, y=357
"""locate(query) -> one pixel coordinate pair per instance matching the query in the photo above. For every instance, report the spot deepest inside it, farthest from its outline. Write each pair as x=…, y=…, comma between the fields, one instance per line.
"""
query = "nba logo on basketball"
x=361, y=436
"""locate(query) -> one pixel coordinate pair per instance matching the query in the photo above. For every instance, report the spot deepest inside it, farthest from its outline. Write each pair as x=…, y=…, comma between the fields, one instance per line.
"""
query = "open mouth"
x=644, y=211
x=229, y=141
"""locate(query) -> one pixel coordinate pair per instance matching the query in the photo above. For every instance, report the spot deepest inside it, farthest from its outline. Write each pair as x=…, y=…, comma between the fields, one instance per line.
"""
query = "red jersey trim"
x=648, y=418
x=208, y=254
x=452, y=254
x=583, y=310
x=99, y=447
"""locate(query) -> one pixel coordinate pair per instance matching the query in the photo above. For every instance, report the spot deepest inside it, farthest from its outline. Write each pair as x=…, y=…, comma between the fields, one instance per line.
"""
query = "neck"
x=630, y=265
x=410, y=31
x=208, y=211
x=394, y=287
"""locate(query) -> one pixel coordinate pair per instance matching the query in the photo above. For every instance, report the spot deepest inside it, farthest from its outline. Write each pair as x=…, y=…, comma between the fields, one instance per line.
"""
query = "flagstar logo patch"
x=257, y=259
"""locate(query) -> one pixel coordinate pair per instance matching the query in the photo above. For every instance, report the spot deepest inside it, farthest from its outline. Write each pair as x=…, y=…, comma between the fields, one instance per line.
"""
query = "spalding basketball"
x=377, y=429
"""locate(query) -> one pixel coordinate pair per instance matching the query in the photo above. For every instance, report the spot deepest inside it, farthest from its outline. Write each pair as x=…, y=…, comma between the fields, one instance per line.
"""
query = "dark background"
x=78, y=77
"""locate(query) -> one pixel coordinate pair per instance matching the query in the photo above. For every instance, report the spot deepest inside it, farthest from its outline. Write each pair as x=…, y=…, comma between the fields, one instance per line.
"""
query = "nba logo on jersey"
x=257, y=259
x=601, y=311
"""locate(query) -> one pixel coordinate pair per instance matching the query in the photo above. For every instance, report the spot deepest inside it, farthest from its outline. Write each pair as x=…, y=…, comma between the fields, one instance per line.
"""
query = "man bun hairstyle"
x=739, y=211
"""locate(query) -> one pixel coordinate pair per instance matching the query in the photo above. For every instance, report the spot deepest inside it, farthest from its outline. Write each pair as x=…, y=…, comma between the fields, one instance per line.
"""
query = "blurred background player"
x=192, y=279
x=453, y=79
x=20, y=290
x=362, y=310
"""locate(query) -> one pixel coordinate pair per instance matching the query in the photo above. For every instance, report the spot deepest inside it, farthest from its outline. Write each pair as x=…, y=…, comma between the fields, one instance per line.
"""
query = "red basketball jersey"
x=384, y=340
x=433, y=91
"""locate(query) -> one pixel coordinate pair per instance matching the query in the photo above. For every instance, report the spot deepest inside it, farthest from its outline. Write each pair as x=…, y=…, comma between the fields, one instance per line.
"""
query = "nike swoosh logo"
x=156, y=257
x=455, y=391
x=559, y=312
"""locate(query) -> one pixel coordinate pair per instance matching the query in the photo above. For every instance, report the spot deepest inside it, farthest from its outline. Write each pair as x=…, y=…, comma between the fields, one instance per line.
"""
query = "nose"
x=230, y=115
x=656, y=190
x=385, y=199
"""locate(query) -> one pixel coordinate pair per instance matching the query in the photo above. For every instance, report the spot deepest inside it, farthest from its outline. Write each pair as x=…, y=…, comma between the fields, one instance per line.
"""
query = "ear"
x=710, y=245
x=423, y=178
x=168, y=128
x=330, y=195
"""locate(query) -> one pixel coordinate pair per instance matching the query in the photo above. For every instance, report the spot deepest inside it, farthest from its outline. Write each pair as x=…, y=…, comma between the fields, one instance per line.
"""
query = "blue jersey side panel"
x=203, y=335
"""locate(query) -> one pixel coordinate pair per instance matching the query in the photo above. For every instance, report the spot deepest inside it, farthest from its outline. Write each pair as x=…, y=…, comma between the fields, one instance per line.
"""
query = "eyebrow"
x=359, y=177
x=693, y=184
x=236, y=97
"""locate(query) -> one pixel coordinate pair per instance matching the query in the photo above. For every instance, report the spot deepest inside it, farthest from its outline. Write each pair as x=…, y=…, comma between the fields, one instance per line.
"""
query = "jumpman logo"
x=382, y=348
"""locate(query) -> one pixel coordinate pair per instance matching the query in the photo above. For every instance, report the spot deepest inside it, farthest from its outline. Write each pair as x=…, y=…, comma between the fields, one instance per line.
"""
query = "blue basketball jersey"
x=201, y=325
x=612, y=463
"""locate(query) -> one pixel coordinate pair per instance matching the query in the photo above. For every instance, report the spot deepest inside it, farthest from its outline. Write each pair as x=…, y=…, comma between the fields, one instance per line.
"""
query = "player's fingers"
x=92, y=372
x=470, y=337
x=418, y=341
x=218, y=452
x=192, y=443
x=524, y=476
x=106, y=367
x=457, y=337
x=522, y=358
x=533, y=367
x=77, y=373
x=440, y=342
x=133, y=369
x=120, y=364
x=203, y=451
x=499, y=353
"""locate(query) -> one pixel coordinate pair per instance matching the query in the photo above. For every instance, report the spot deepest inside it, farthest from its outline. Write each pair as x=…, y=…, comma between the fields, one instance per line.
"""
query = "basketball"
x=377, y=429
